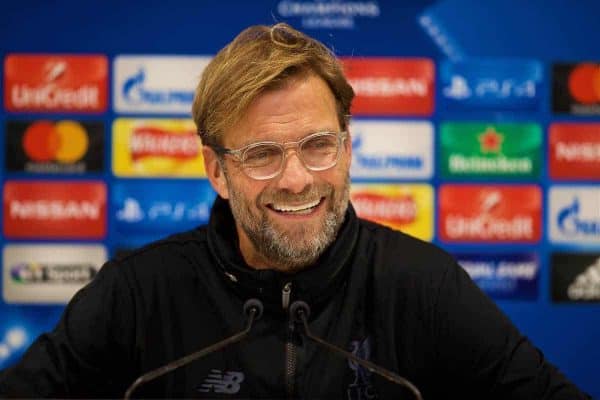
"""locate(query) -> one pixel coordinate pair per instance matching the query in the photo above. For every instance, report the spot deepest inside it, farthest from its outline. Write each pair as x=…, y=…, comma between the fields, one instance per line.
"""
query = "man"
x=272, y=111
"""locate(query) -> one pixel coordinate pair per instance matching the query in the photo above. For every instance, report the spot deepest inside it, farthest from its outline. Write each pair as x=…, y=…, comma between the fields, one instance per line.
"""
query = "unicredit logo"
x=54, y=209
x=470, y=213
x=55, y=83
x=154, y=141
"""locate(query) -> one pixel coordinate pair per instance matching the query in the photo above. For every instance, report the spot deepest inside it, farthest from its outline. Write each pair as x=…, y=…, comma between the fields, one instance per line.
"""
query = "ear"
x=214, y=172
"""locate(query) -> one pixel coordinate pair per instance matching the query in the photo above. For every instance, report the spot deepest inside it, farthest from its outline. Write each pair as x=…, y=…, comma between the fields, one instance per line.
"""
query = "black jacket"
x=400, y=302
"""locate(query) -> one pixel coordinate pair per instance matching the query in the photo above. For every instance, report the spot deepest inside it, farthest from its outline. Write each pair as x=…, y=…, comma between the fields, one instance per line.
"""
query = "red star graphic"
x=491, y=141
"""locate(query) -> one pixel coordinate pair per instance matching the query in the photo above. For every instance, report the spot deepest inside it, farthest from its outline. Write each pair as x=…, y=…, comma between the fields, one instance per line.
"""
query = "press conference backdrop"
x=476, y=126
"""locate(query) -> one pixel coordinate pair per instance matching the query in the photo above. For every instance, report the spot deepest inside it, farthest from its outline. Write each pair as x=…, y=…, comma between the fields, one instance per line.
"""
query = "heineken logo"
x=491, y=150
x=491, y=141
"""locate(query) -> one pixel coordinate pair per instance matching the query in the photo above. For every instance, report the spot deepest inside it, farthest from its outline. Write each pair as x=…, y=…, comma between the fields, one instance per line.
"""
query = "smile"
x=296, y=209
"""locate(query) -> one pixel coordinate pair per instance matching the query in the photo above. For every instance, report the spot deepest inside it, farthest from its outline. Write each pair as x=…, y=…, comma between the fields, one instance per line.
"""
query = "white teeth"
x=301, y=207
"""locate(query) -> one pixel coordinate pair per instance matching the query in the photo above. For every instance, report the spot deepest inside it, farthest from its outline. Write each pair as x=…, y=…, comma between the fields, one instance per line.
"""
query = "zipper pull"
x=285, y=295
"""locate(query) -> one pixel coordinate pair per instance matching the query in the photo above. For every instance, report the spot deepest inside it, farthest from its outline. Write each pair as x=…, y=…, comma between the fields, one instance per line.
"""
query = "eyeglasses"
x=265, y=160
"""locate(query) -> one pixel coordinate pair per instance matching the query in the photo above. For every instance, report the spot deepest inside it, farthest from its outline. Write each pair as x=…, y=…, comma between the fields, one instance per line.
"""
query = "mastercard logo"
x=584, y=83
x=63, y=141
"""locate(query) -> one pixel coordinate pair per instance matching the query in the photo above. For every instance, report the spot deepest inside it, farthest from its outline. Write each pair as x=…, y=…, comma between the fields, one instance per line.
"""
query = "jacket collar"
x=313, y=285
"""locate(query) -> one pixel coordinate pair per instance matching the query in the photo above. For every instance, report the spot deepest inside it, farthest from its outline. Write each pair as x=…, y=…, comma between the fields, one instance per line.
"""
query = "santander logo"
x=54, y=209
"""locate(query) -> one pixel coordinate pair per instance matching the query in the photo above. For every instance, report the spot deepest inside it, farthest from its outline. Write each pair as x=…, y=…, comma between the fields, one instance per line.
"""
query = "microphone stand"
x=253, y=308
x=300, y=310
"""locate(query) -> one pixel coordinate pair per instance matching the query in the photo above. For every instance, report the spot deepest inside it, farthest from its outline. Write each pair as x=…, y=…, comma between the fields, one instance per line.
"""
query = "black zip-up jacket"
x=387, y=297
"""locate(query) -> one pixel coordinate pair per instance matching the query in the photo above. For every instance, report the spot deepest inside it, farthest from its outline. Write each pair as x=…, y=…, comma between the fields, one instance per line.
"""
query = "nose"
x=294, y=177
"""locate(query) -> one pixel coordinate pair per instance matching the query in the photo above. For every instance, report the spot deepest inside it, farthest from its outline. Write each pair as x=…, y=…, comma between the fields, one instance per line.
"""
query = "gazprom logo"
x=384, y=162
x=575, y=214
x=156, y=84
x=135, y=92
x=383, y=149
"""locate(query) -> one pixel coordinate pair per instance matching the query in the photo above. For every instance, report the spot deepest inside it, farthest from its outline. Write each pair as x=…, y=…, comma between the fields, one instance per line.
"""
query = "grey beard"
x=293, y=255
x=291, y=252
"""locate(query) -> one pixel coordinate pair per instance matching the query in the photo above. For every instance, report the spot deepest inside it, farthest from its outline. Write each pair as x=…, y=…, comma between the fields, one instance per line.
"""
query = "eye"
x=261, y=155
x=320, y=144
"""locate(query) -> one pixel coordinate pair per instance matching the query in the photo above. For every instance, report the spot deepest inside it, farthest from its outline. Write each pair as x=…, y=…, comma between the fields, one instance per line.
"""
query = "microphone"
x=300, y=311
x=253, y=309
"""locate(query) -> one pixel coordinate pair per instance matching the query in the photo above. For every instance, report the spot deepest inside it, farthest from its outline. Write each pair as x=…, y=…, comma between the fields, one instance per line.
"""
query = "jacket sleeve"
x=87, y=353
x=483, y=353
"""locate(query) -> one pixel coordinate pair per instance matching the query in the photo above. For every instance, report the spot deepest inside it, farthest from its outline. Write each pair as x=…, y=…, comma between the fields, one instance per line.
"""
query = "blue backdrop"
x=548, y=31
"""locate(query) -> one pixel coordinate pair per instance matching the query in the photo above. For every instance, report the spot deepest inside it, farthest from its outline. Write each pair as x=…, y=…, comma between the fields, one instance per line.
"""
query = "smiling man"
x=272, y=110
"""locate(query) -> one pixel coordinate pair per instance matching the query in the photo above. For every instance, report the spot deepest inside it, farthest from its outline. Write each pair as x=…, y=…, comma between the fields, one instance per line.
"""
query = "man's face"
x=286, y=222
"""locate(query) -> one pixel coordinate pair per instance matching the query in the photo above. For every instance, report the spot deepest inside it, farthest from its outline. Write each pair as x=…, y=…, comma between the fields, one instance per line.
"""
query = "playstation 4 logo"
x=458, y=89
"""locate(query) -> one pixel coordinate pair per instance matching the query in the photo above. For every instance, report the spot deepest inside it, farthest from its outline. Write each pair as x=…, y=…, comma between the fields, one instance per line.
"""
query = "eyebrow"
x=312, y=132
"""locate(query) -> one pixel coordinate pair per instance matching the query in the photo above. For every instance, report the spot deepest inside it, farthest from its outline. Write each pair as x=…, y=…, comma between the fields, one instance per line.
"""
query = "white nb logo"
x=219, y=382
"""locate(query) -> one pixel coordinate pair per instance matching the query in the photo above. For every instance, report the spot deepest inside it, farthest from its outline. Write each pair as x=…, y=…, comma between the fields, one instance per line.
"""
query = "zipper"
x=290, y=348
x=290, y=360
x=285, y=295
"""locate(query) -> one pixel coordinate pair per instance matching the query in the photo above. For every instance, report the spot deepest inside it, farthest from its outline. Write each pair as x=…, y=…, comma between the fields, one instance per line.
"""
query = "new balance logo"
x=219, y=382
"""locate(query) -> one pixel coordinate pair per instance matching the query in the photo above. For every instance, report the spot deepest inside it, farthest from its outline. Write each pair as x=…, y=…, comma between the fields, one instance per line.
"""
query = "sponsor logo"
x=576, y=88
x=504, y=276
x=48, y=273
x=474, y=213
x=575, y=277
x=148, y=207
x=54, y=147
x=391, y=86
x=491, y=150
x=55, y=83
x=217, y=381
x=337, y=14
x=575, y=214
x=158, y=85
x=157, y=147
x=64, y=209
x=408, y=208
x=383, y=149
x=574, y=150
x=497, y=84
x=361, y=386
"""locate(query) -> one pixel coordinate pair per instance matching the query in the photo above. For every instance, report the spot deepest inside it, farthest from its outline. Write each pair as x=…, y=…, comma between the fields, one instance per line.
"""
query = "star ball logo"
x=576, y=88
x=470, y=150
x=44, y=146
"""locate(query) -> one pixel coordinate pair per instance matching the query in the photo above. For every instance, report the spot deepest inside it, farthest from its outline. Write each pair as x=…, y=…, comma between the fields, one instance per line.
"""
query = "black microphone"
x=300, y=311
x=253, y=309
